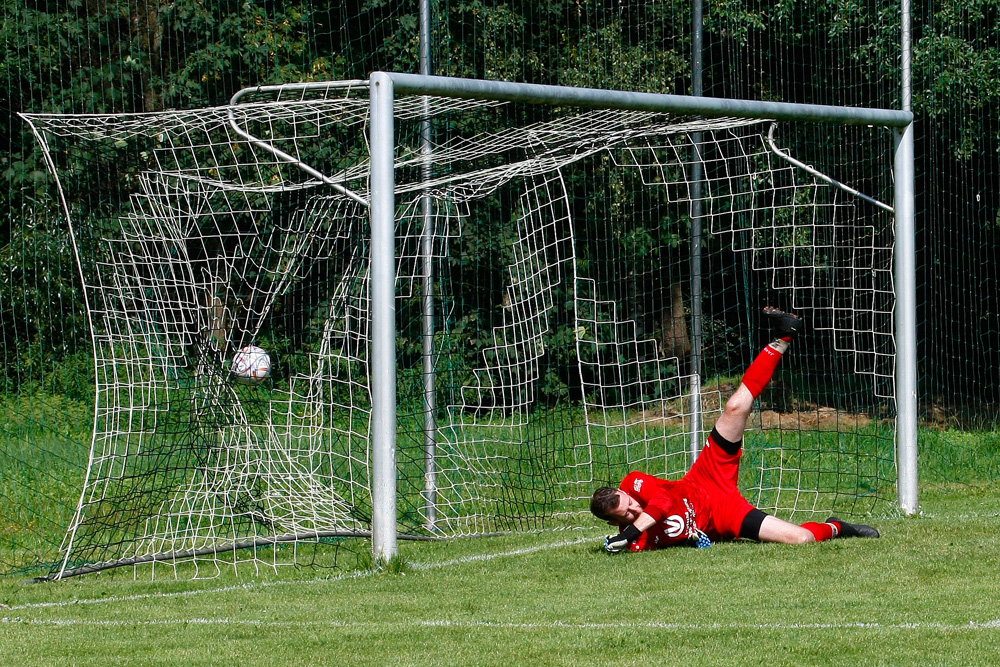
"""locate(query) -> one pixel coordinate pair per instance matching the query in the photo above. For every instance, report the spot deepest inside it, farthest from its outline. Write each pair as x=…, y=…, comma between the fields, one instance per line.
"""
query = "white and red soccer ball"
x=251, y=365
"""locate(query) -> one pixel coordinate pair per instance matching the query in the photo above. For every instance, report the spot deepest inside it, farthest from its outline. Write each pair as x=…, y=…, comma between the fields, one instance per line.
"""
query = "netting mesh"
x=556, y=247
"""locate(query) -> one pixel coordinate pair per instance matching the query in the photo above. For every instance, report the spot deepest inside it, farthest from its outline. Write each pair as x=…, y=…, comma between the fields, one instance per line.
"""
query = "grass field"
x=927, y=593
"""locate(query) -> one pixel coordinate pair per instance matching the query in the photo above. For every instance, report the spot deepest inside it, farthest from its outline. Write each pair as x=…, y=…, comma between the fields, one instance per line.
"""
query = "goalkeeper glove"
x=615, y=544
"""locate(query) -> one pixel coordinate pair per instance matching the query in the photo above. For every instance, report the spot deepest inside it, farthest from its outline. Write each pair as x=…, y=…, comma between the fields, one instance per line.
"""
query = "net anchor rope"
x=282, y=155
x=820, y=175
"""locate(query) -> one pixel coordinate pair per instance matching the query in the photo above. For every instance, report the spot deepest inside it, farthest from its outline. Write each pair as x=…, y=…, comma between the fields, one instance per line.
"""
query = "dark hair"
x=605, y=499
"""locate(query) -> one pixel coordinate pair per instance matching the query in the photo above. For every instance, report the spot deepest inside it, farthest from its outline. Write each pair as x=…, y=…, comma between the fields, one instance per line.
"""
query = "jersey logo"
x=675, y=525
x=637, y=485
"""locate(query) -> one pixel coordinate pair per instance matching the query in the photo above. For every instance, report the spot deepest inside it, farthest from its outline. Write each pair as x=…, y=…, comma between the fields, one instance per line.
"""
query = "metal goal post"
x=384, y=86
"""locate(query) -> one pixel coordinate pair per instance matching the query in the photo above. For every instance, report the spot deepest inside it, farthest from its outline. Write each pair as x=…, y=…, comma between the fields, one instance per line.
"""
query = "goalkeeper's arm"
x=630, y=533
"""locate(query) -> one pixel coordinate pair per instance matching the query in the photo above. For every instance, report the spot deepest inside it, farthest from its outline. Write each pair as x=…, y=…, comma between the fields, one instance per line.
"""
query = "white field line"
x=252, y=585
x=555, y=625
x=973, y=515
x=483, y=557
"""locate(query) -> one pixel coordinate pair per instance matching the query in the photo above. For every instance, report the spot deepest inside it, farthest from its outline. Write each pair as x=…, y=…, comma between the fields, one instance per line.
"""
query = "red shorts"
x=716, y=473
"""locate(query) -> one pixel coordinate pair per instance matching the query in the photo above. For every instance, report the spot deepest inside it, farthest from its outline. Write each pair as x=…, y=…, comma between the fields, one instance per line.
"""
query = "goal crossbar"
x=596, y=98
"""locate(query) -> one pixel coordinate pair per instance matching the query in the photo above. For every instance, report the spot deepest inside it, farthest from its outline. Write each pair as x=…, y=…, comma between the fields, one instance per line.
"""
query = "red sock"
x=762, y=369
x=822, y=531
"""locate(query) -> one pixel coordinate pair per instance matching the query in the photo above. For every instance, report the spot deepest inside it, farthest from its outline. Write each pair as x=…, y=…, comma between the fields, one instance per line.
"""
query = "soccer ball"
x=251, y=365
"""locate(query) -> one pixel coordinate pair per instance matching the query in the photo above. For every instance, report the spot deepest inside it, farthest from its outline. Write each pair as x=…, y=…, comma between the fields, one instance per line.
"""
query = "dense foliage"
x=148, y=55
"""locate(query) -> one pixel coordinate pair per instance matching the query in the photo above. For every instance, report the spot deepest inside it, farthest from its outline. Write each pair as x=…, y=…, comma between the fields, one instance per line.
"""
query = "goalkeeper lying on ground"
x=706, y=505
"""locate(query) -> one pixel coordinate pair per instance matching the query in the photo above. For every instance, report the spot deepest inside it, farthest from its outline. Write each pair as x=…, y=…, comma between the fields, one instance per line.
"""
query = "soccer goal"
x=479, y=301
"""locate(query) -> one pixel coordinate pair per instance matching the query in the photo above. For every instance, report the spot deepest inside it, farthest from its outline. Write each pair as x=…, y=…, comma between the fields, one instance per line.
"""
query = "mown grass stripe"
x=299, y=582
x=555, y=625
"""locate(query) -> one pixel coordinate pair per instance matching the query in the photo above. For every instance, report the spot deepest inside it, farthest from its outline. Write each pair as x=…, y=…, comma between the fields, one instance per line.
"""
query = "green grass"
x=949, y=457
x=927, y=593
x=42, y=466
x=44, y=446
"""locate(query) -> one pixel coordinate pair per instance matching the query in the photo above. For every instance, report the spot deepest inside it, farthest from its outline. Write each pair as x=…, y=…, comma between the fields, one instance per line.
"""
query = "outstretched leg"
x=733, y=421
x=773, y=529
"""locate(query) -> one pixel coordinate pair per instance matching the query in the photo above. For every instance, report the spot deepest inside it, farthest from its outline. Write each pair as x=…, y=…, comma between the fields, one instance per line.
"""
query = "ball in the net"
x=251, y=365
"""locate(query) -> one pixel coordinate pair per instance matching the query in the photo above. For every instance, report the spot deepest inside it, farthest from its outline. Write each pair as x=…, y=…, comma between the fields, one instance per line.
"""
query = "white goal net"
x=556, y=247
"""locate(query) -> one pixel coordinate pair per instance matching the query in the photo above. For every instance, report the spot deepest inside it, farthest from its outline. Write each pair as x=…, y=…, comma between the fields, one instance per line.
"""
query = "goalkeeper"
x=652, y=513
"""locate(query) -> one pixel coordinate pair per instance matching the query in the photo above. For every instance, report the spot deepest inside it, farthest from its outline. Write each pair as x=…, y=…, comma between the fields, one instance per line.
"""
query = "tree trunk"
x=674, y=341
x=146, y=23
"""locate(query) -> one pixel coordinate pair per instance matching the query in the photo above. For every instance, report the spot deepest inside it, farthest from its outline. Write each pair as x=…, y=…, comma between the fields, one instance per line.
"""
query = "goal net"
x=577, y=292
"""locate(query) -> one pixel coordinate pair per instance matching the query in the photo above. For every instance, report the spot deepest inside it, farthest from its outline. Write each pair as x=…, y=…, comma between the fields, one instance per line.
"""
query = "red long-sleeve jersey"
x=676, y=506
x=706, y=500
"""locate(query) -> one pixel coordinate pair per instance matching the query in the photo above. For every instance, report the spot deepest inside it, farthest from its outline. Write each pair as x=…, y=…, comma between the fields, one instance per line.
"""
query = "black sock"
x=731, y=448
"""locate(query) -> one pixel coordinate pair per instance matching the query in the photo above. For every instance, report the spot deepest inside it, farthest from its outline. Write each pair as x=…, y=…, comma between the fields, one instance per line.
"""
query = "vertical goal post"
x=384, y=86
